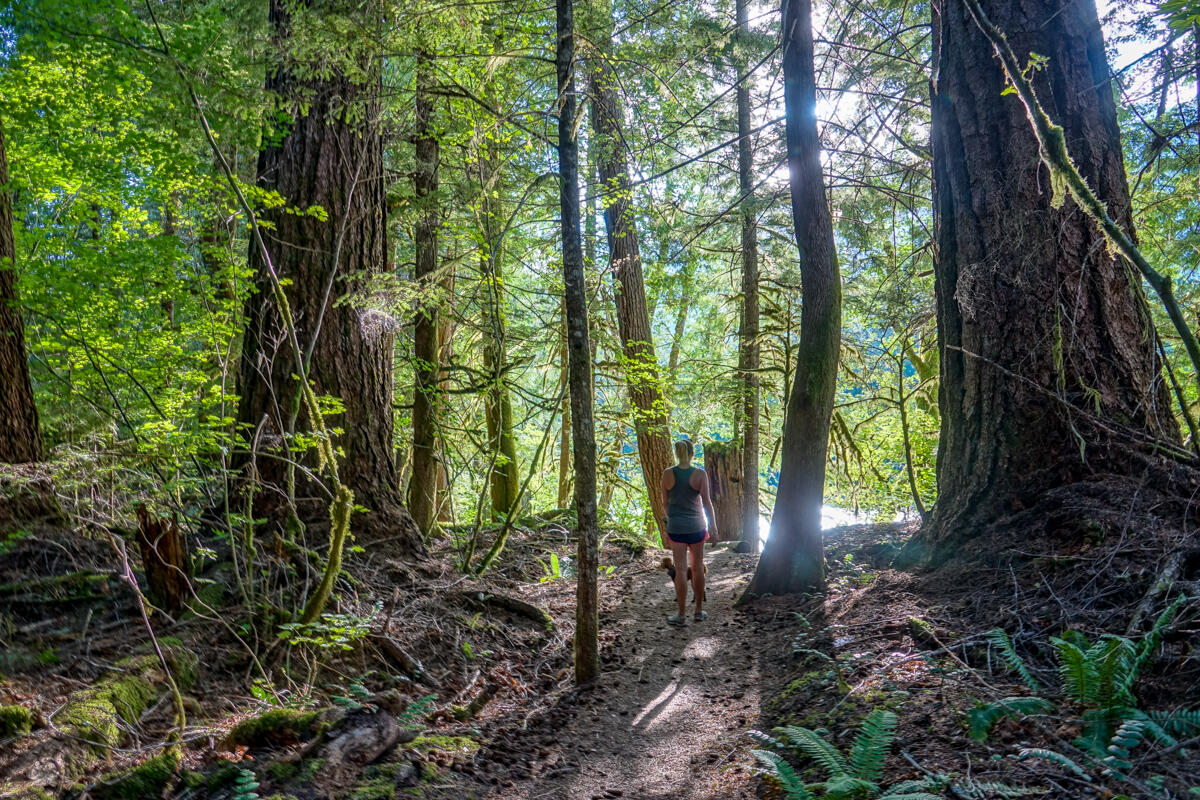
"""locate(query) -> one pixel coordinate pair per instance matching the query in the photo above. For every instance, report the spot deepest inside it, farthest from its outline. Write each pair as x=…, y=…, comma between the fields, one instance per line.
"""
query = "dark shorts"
x=688, y=538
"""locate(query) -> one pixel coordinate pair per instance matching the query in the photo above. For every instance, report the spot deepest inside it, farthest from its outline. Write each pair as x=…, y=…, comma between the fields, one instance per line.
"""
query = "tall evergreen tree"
x=329, y=156
x=748, y=352
x=20, y=435
x=642, y=374
x=1025, y=396
x=793, y=560
x=423, y=485
x=579, y=355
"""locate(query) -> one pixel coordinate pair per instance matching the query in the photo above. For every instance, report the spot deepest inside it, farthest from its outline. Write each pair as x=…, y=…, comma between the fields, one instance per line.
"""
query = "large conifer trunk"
x=330, y=156
x=633, y=320
x=20, y=436
x=1042, y=331
x=748, y=350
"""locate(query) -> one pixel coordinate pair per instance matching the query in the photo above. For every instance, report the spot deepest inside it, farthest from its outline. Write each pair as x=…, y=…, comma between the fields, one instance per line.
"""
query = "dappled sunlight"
x=702, y=647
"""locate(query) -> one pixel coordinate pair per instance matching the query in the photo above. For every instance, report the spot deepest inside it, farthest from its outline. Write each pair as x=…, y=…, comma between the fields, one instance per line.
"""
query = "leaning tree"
x=1049, y=369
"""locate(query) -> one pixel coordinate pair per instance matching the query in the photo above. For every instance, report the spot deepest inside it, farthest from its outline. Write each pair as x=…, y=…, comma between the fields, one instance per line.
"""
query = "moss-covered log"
x=97, y=718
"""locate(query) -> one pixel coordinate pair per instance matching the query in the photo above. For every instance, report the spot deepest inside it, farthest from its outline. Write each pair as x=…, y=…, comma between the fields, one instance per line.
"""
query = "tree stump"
x=165, y=560
x=723, y=463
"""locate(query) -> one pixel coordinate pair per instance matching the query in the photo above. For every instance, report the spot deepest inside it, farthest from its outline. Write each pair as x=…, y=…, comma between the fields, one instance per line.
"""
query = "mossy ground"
x=143, y=781
x=15, y=721
x=275, y=726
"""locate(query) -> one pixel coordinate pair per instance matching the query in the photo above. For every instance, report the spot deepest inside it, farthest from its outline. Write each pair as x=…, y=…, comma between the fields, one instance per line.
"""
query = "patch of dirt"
x=670, y=714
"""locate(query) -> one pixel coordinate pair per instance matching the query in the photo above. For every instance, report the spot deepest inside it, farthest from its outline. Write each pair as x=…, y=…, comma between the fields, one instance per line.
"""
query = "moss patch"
x=143, y=781
x=94, y=713
x=15, y=721
x=447, y=744
x=279, y=725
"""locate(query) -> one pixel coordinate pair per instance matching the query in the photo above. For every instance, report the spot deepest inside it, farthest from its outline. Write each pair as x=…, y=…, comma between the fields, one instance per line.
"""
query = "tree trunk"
x=1018, y=390
x=723, y=463
x=20, y=435
x=748, y=353
x=633, y=321
x=165, y=561
x=793, y=560
x=331, y=157
x=681, y=313
x=506, y=476
x=583, y=431
x=422, y=485
x=564, y=439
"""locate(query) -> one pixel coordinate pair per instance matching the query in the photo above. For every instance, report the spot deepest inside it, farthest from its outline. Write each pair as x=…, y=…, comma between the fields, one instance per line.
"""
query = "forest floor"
x=483, y=684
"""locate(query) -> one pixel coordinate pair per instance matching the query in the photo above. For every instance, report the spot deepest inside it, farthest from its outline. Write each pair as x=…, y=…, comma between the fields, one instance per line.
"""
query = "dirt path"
x=669, y=719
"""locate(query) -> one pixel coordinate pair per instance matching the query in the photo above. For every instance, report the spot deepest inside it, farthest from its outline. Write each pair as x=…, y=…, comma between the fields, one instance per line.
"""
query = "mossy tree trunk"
x=20, y=434
x=793, y=560
x=506, y=475
x=1024, y=396
x=579, y=356
x=423, y=483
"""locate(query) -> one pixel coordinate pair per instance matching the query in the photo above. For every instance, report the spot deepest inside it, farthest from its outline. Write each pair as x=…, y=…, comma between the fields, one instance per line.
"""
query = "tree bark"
x=793, y=560
x=1020, y=392
x=331, y=157
x=506, y=476
x=583, y=432
x=422, y=485
x=20, y=434
x=723, y=463
x=748, y=352
x=564, y=439
x=633, y=321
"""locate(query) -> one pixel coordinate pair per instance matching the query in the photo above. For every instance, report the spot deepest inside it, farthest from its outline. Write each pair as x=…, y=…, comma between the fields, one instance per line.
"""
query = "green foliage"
x=245, y=786
x=999, y=639
x=15, y=721
x=983, y=717
x=330, y=632
x=275, y=725
x=855, y=776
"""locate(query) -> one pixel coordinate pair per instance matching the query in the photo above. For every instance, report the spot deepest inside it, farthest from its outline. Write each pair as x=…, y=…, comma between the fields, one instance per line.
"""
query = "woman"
x=684, y=490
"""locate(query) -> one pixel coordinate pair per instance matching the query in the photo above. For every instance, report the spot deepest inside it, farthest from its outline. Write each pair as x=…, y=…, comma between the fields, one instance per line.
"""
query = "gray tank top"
x=685, y=512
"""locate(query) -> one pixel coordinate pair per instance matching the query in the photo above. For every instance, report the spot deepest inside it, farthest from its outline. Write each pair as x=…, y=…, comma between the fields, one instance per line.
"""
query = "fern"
x=983, y=717
x=999, y=640
x=817, y=749
x=1077, y=673
x=245, y=786
x=783, y=773
x=1154, y=636
x=870, y=747
x=1128, y=736
x=1113, y=660
x=980, y=790
x=1054, y=758
x=1181, y=722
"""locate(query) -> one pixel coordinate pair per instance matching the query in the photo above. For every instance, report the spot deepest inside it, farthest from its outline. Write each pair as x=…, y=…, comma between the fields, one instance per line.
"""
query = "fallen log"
x=95, y=720
x=516, y=605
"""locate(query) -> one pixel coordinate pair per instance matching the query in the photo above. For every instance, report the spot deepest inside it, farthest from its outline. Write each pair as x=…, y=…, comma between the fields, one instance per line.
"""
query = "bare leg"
x=679, y=551
x=697, y=551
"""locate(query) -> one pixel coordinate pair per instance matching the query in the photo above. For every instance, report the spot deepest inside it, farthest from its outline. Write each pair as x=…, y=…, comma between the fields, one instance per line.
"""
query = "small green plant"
x=551, y=570
x=857, y=775
x=1096, y=682
x=330, y=632
x=414, y=711
x=245, y=786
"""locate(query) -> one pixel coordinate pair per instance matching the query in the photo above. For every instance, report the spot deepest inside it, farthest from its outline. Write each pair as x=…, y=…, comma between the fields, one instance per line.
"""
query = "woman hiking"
x=684, y=491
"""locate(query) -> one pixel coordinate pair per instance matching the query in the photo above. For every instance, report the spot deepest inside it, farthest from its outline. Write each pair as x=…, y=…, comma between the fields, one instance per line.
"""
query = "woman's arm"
x=708, y=506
